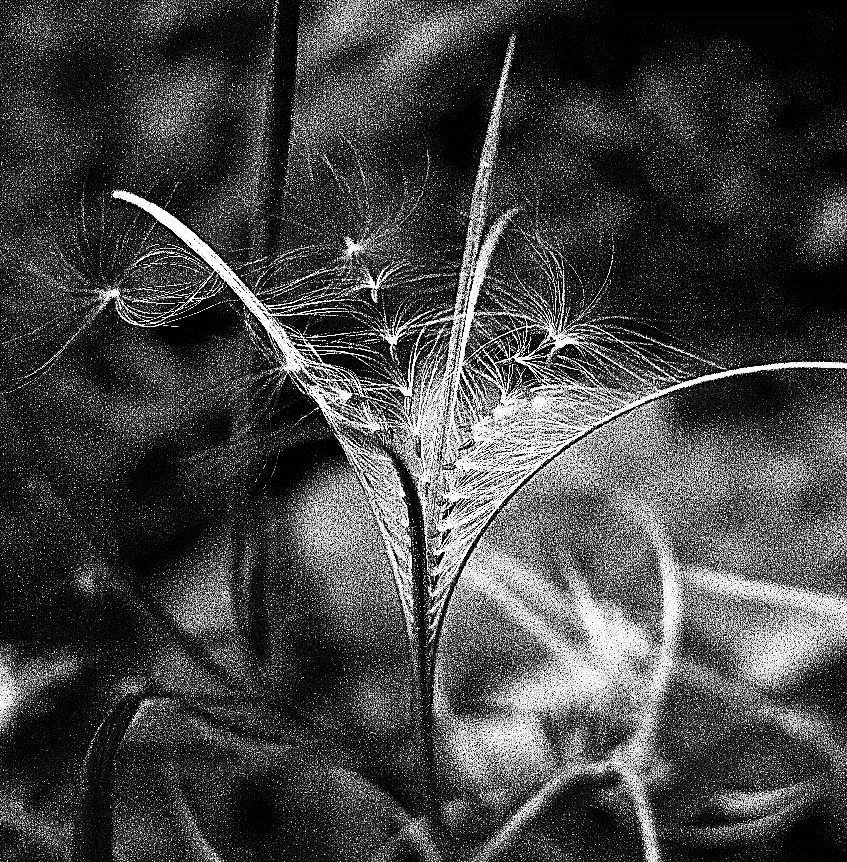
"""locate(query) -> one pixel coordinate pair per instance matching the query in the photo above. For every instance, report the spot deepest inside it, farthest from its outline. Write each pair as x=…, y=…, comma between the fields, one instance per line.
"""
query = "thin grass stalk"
x=193, y=648
x=275, y=128
x=93, y=827
x=632, y=781
x=424, y=646
x=572, y=776
x=271, y=171
x=625, y=410
x=466, y=295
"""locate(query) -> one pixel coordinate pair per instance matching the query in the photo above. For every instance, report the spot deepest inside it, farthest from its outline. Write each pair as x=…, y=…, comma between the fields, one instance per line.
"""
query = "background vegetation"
x=706, y=148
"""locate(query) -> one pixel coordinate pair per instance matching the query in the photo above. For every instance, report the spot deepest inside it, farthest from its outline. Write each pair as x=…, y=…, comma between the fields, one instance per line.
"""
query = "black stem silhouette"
x=275, y=127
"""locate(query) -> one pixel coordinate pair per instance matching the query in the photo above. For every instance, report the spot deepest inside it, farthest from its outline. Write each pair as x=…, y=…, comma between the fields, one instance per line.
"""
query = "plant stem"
x=464, y=308
x=625, y=410
x=93, y=826
x=467, y=292
x=275, y=128
x=424, y=670
x=565, y=780
x=627, y=773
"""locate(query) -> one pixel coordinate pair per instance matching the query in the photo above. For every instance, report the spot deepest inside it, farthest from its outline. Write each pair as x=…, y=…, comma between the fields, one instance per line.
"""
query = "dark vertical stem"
x=275, y=128
x=270, y=170
x=426, y=682
x=93, y=827
x=425, y=665
x=422, y=702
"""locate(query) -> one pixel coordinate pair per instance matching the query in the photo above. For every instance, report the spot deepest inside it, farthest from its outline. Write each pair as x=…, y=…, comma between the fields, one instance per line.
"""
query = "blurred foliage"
x=707, y=146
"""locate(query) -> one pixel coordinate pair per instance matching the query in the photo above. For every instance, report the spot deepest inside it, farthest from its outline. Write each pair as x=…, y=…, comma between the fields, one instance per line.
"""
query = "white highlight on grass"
x=561, y=340
x=642, y=743
x=601, y=642
x=771, y=594
x=292, y=356
x=475, y=260
x=10, y=695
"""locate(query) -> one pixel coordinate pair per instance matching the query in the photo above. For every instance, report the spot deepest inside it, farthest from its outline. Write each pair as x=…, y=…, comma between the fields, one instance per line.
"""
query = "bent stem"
x=608, y=419
x=574, y=775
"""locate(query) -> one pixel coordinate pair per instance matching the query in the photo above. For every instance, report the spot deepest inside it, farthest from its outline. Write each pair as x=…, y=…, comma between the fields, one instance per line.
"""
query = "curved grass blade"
x=384, y=476
x=92, y=838
x=278, y=336
x=518, y=468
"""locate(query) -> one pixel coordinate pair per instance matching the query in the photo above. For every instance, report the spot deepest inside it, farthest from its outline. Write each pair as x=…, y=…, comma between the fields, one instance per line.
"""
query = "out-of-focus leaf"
x=205, y=781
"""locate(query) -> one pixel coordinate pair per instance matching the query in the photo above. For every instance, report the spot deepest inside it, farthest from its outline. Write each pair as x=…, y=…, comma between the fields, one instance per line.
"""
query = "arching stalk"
x=625, y=410
x=567, y=780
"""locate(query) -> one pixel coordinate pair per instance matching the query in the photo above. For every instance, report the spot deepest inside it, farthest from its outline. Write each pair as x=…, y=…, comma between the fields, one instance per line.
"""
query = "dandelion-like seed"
x=371, y=284
x=376, y=285
x=445, y=417
x=110, y=294
x=561, y=340
x=352, y=248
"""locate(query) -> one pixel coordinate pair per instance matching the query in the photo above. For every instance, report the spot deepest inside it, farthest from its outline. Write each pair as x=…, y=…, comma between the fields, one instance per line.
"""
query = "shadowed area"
x=698, y=158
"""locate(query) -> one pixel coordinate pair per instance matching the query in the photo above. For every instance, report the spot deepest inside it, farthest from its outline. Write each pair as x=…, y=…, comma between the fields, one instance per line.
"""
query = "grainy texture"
x=708, y=146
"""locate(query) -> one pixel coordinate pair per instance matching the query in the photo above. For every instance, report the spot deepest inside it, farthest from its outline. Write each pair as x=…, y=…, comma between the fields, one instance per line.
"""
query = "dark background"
x=703, y=152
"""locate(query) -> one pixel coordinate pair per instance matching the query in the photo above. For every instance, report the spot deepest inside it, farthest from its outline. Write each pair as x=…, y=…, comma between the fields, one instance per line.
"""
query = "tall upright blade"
x=468, y=290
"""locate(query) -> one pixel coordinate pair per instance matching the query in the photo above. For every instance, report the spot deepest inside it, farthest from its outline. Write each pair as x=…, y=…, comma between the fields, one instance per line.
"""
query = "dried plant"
x=445, y=412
